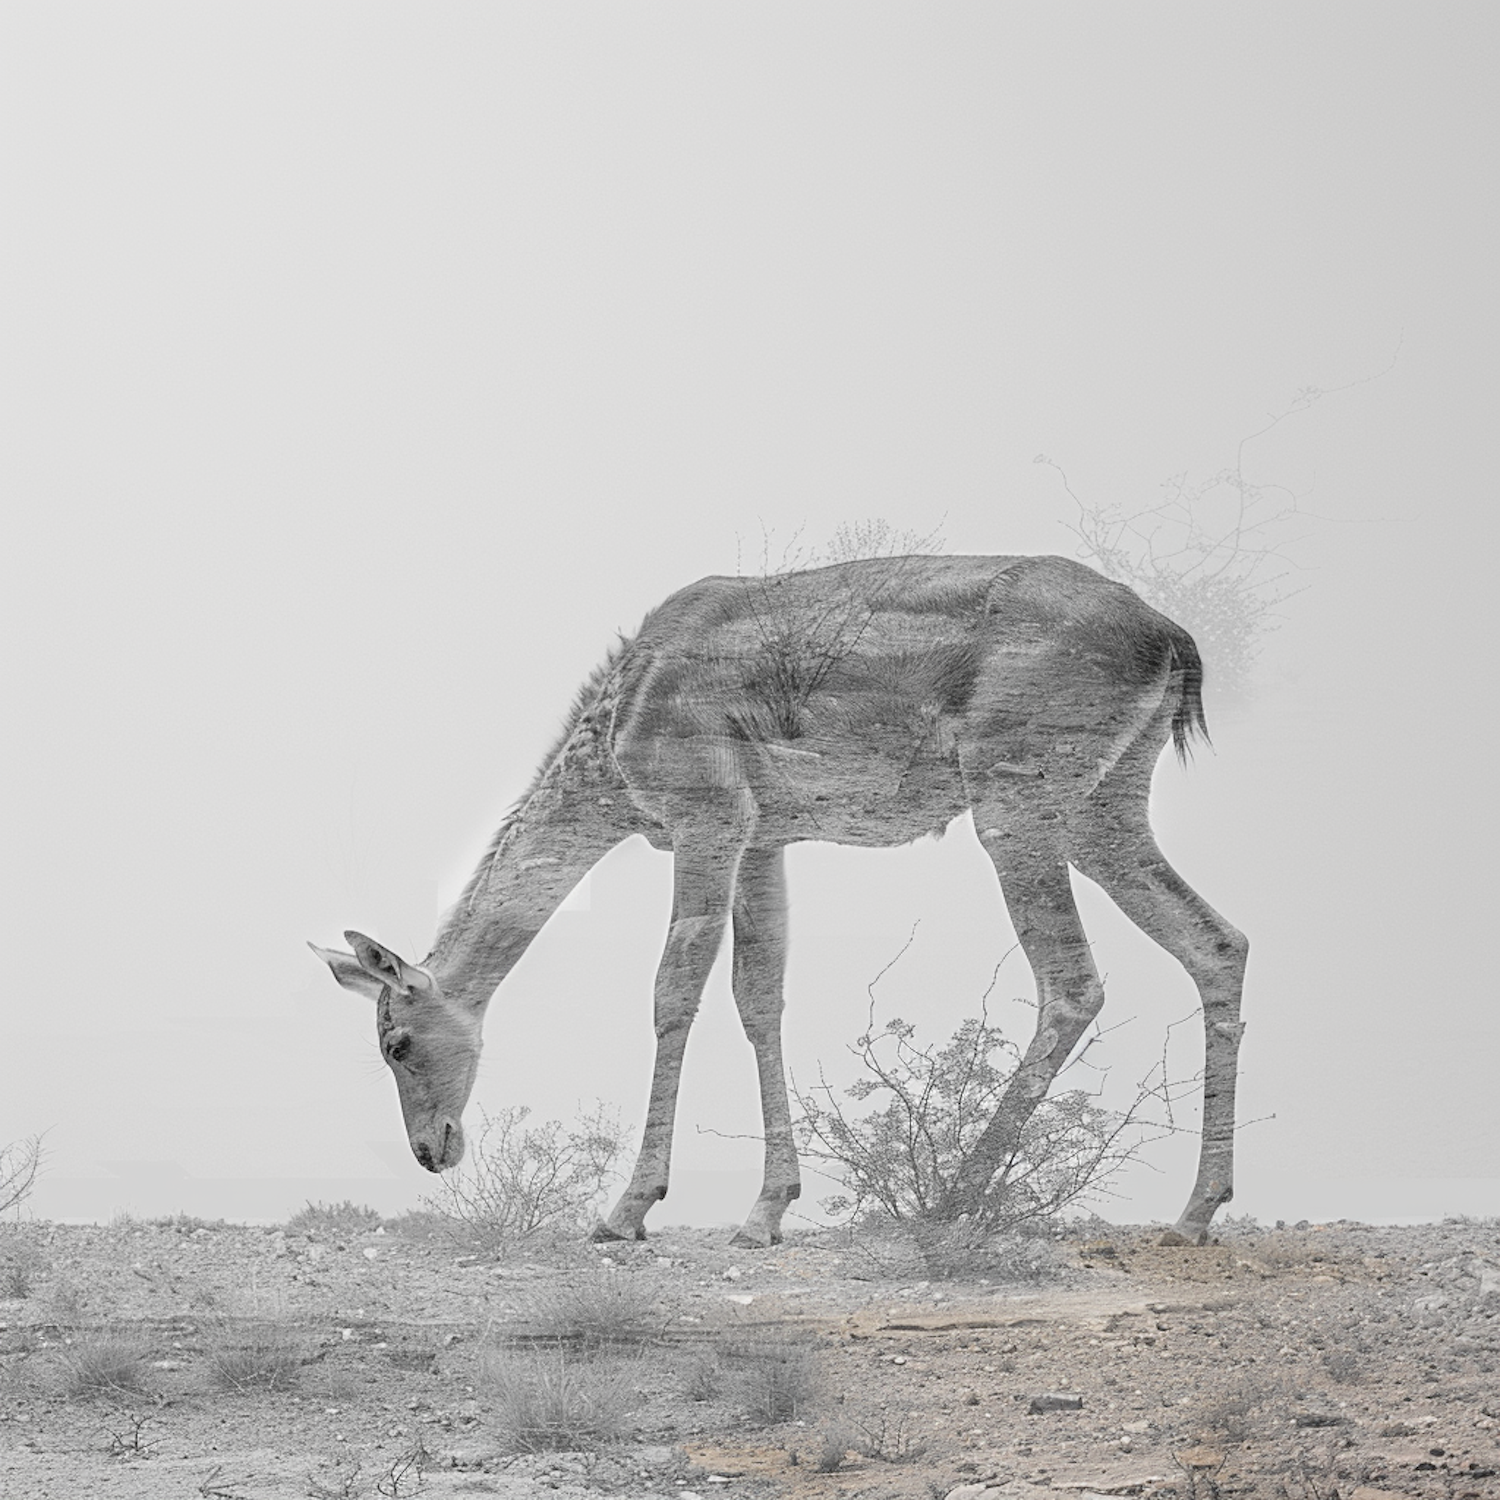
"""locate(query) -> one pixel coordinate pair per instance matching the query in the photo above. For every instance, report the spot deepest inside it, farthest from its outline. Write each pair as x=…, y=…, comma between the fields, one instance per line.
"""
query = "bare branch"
x=1213, y=555
x=19, y=1163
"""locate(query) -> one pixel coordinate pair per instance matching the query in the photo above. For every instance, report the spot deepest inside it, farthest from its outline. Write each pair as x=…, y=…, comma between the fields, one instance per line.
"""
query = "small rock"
x=1050, y=1401
x=370, y=1252
x=966, y=1492
x=733, y=1274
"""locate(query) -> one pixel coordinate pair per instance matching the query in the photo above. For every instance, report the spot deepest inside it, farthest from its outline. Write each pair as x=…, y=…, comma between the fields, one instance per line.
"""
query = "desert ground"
x=338, y=1356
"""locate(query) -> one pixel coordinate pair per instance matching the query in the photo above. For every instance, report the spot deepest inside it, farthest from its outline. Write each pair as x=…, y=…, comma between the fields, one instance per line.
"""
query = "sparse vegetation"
x=405, y=1474
x=20, y=1266
x=773, y=1378
x=801, y=646
x=65, y=1301
x=902, y=1162
x=607, y=1310
x=341, y=1483
x=552, y=1399
x=332, y=1219
x=702, y=1375
x=263, y=1356
x=420, y=1224
x=105, y=1364
x=937, y=1248
x=130, y=1441
x=1208, y=555
x=887, y=1438
x=1185, y=1355
x=832, y=1448
x=186, y=1223
x=521, y=1187
x=1234, y=1414
x=1213, y=555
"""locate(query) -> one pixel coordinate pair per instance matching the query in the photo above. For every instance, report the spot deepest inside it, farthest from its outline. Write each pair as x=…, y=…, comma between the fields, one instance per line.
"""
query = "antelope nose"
x=423, y=1154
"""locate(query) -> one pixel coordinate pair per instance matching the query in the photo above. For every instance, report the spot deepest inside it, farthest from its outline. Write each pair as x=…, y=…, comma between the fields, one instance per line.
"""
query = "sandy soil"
x=1312, y=1362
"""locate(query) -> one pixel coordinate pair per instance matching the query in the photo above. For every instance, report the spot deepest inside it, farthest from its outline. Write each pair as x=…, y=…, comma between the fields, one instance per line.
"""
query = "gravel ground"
x=1314, y=1362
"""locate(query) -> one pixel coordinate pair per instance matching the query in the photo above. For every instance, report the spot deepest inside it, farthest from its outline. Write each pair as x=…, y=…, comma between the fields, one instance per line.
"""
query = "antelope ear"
x=389, y=968
x=347, y=971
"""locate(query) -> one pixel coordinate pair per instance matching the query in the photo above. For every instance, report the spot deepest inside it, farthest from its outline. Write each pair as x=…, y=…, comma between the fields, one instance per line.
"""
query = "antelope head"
x=428, y=1041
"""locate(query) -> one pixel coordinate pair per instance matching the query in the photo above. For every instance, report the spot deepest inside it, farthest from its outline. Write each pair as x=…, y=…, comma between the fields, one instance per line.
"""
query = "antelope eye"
x=399, y=1048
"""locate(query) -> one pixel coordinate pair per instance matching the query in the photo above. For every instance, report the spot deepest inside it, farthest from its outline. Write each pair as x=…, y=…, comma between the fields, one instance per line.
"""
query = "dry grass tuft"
x=832, y=1449
x=551, y=1400
x=263, y=1357
x=774, y=1378
x=702, y=1375
x=20, y=1266
x=106, y=1364
x=606, y=1311
x=333, y=1219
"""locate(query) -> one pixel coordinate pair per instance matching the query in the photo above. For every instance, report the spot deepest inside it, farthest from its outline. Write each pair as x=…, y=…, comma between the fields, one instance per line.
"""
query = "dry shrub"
x=520, y=1187
x=20, y=1266
x=893, y=1250
x=554, y=1400
x=263, y=1356
x=702, y=1375
x=19, y=1163
x=334, y=1219
x=1245, y=1409
x=106, y=1364
x=773, y=1377
x=832, y=1448
x=602, y=1311
x=909, y=1160
x=420, y=1224
x=342, y=1482
x=887, y=1438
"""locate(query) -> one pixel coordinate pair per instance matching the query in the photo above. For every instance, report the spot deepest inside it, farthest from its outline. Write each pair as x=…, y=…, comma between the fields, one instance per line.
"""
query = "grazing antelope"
x=865, y=703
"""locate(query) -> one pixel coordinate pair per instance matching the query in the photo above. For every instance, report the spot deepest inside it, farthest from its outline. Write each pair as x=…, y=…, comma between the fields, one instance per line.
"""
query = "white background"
x=369, y=365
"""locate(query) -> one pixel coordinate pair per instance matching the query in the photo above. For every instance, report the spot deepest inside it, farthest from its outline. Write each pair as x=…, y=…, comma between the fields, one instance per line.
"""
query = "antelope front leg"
x=759, y=969
x=703, y=881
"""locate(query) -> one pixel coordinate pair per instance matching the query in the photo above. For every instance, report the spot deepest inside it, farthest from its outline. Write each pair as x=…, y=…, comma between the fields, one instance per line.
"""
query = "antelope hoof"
x=1173, y=1237
x=749, y=1238
x=603, y=1234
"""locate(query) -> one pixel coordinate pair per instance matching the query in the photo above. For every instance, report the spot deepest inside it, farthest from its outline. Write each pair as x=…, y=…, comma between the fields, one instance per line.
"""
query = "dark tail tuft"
x=1187, y=682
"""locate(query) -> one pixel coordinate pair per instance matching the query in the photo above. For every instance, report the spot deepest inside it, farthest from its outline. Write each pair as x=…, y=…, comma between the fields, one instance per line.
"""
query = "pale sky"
x=369, y=366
